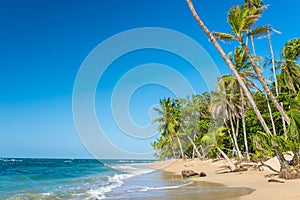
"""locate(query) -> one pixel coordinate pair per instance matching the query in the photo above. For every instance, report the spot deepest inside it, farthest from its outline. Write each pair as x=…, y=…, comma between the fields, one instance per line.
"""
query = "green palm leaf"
x=223, y=36
x=260, y=32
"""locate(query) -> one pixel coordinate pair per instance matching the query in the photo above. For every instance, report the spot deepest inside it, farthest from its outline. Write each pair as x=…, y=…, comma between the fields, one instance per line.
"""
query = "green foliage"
x=294, y=127
x=291, y=50
x=212, y=120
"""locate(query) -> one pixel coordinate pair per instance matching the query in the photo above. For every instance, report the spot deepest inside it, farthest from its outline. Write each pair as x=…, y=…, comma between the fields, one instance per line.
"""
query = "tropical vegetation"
x=248, y=116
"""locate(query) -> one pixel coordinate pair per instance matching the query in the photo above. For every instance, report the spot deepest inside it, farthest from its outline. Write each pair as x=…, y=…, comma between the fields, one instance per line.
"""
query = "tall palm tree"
x=259, y=4
x=241, y=19
x=224, y=103
x=229, y=64
x=244, y=68
x=191, y=114
x=169, y=123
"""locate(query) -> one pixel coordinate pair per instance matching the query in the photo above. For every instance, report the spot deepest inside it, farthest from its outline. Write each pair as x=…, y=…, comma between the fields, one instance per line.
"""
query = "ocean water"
x=65, y=178
x=91, y=179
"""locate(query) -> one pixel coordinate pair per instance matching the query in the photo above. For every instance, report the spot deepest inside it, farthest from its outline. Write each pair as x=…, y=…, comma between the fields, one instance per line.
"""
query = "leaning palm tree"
x=213, y=139
x=241, y=19
x=229, y=64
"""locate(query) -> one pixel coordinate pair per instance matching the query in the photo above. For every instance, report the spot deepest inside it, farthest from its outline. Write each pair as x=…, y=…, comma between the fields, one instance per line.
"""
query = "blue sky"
x=43, y=44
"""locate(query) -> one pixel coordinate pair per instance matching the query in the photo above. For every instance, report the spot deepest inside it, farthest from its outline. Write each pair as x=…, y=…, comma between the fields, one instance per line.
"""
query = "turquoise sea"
x=91, y=179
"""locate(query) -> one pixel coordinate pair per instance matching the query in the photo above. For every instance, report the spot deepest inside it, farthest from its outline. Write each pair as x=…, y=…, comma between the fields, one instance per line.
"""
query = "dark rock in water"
x=202, y=174
x=188, y=173
x=241, y=169
x=275, y=181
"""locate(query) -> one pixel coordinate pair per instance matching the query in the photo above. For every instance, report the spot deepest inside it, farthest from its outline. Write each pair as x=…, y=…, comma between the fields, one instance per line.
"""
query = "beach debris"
x=188, y=173
x=261, y=168
x=202, y=174
x=241, y=169
x=275, y=181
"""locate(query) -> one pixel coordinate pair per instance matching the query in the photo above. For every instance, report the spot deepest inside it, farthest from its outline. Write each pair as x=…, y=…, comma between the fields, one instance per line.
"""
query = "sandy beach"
x=253, y=178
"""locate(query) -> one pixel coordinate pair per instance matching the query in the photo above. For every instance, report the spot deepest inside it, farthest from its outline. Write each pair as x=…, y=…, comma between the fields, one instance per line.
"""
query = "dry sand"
x=253, y=178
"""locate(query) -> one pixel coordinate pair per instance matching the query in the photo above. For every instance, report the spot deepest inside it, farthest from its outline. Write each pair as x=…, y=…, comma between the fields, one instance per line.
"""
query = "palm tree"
x=191, y=114
x=244, y=68
x=229, y=64
x=241, y=19
x=169, y=123
x=224, y=104
x=258, y=4
x=289, y=77
x=213, y=139
x=163, y=148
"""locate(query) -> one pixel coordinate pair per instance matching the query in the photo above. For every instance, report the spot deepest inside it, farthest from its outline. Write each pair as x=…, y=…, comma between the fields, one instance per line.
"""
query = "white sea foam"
x=140, y=189
x=10, y=160
x=116, y=180
x=132, y=169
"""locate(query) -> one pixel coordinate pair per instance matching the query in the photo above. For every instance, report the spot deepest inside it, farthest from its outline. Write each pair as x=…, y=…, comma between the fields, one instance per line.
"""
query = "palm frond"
x=260, y=32
x=254, y=3
x=225, y=37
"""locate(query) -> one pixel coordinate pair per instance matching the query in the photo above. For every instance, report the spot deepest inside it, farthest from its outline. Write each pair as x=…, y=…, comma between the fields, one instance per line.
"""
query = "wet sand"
x=251, y=184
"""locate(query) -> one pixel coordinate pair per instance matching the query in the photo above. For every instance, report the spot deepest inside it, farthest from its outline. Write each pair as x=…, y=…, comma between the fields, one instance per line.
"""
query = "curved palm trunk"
x=230, y=65
x=180, y=146
x=264, y=85
x=192, y=142
x=195, y=147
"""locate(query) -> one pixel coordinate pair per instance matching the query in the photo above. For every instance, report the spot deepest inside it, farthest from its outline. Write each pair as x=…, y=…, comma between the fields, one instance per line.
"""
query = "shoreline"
x=217, y=172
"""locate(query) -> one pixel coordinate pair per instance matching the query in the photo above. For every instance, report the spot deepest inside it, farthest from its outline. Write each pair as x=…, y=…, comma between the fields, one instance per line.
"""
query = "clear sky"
x=43, y=45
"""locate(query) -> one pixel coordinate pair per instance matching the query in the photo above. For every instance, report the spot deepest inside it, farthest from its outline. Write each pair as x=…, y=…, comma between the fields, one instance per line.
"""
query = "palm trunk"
x=192, y=142
x=252, y=44
x=283, y=123
x=173, y=151
x=244, y=123
x=275, y=76
x=179, y=143
x=273, y=63
x=264, y=85
x=271, y=116
x=230, y=163
x=235, y=144
x=203, y=154
x=230, y=65
x=275, y=80
x=194, y=146
x=231, y=139
x=193, y=154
